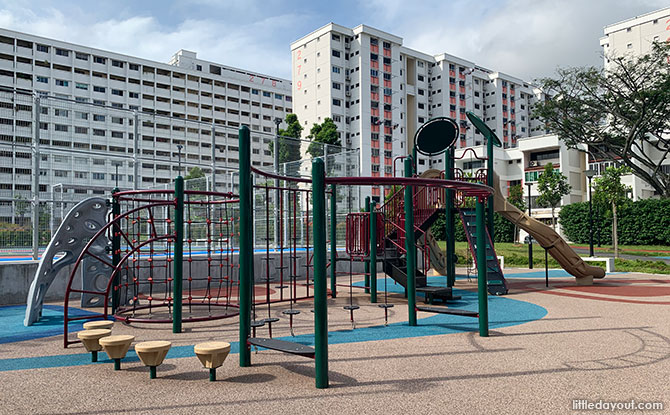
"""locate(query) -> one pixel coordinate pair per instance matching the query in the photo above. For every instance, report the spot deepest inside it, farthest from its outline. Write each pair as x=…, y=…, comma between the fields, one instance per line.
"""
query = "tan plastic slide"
x=548, y=239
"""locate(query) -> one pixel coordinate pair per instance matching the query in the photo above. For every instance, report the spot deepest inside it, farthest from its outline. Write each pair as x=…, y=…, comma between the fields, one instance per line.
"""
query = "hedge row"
x=643, y=222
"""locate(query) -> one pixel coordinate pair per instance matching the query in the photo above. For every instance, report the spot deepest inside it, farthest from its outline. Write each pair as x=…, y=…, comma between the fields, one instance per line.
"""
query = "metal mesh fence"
x=87, y=150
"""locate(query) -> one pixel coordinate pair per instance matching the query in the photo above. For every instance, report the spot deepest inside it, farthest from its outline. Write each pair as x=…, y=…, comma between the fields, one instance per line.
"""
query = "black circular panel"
x=435, y=136
x=483, y=128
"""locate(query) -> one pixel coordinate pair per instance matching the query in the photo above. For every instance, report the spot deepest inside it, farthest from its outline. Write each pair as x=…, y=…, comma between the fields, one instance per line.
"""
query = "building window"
x=100, y=89
x=629, y=46
x=421, y=92
x=98, y=176
x=337, y=85
x=81, y=56
x=61, y=128
x=98, y=117
x=62, y=52
x=336, y=37
x=337, y=102
x=419, y=64
x=136, y=67
x=336, y=53
x=42, y=79
x=80, y=130
x=79, y=85
x=254, y=91
x=117, y=92
x=387, y=45
x=42, y=48
x=117, y=64
x=98, y=132
x=61, y=82
x=336, y=69
x=100, y=60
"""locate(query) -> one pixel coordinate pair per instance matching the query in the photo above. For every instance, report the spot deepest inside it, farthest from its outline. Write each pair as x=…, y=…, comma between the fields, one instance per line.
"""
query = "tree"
x=320, y=134
x=194, y=173
x=289, y=149
x=195, y=179
x=620, y=112
x=608, y=188
x=552, y=186
x=516, y=199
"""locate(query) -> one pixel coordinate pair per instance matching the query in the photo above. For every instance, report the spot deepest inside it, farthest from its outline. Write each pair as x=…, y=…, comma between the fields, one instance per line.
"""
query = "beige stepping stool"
x=152, y=354
x=212, y=355
x=91, y=340
x=116, y=347
x=98, y=324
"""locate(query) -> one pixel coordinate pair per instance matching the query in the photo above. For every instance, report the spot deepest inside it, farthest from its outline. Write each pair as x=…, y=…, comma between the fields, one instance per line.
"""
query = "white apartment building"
x=86, y=126
x=634, y=37
x=379, y=92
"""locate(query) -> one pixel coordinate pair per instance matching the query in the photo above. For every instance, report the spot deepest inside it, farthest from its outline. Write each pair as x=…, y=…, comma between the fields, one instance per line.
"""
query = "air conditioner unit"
x=348, y=93
x=430, y=99
x=534, y=163
x=430, y=85
x=347, y=78
x=347, y=45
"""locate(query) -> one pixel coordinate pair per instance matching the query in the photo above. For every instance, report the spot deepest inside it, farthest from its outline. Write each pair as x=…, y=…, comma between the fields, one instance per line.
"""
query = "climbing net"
x=140, y=260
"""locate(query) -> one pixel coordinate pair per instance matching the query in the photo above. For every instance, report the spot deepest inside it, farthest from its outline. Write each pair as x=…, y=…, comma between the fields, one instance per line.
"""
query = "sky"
x=528, y=39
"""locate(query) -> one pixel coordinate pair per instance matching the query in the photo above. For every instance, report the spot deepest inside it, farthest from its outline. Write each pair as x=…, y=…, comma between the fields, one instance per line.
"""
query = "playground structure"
x=167, y=252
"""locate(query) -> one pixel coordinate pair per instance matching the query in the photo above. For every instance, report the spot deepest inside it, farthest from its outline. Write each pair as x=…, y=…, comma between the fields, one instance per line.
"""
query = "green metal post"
x=373, y=252
x=94, y=356
x=449, y=218
x=415, y=159
x=410, y=247
x=212, y=375
x=116, y=249
x=246, y=247
x=152, y=372
x=481, y=271
x=117, y=364
x=489, y=182
x=320, y=294
x=178, y=257
x=333, y=241
x=366, y=278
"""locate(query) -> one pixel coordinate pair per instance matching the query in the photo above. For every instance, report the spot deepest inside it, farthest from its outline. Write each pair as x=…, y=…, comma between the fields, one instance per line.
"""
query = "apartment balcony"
x=374, y=143
x=24, y=83
x=113, y=83
x=374, y=128
x=374, y=96
x=375, y=174
x=452, y=114
x=209, y=101
x=6, y=65
x=179, y=95
x=388, y=115
x=388, y=99
x=387, y=68
x=178, y=81
x=374, y=48
x=461, y=103
x=461, y=89
x=504, y=90
x=162, y=106
x=374, y=64
x=374, y=159
x=5, y=48
x=388, y=84
x=388, y=146
x=374, y=80
x=148, y=89
x=452, y=87
x=374, y=112
x=164, y=79
x=192, y=84
x=387, y=52
x=388, y=130
x=504, y=113
x=461, y=76
x=452, y=73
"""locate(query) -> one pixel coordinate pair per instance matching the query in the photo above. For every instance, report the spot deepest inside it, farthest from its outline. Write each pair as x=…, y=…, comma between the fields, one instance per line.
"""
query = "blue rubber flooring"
x=51, y=323
x=503, y=312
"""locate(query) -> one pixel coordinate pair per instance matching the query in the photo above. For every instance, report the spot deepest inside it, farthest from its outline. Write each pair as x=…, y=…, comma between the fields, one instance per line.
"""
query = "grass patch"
x=516, y=255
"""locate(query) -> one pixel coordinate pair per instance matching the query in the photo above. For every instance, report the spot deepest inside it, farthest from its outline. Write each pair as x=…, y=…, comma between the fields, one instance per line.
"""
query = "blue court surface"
x=503, y=312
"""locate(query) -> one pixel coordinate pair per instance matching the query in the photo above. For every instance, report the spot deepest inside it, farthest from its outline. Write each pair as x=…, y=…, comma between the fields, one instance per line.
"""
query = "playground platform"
x=548, y=347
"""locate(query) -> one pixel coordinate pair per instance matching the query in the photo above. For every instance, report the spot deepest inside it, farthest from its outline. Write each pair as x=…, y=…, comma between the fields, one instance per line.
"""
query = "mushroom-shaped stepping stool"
x=212, y=355
x=116, y=347
x=91, y=340
x=99, y=324
x=152, y=354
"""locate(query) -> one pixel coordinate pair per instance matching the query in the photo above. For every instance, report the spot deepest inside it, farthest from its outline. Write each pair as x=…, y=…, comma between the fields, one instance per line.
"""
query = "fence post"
x=136, y=150
x=449, y=218
x=482, y=294
x=333, y=241
x=320, y=294
x=178, y=257
x=213, y=189
x=36, y=181
x=373, y=252
x=410, y=247
x=246, y=246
